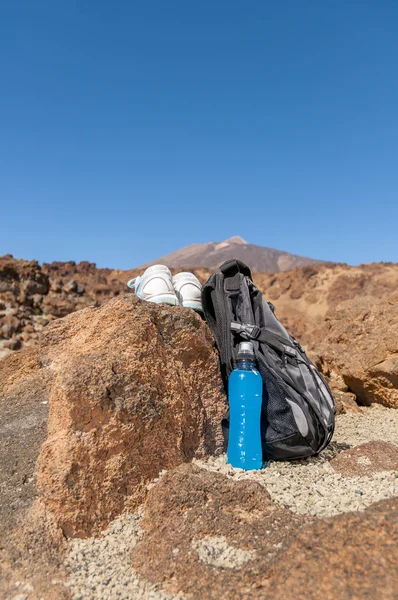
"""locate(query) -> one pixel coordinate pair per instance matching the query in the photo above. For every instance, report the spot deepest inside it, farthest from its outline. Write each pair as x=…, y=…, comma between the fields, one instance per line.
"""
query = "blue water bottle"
x=245, y=394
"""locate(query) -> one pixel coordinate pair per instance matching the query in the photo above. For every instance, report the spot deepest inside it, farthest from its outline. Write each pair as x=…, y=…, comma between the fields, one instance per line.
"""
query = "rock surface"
x=361, y=346
x=308, y=489
x=325, y=306
x=304, y=297
x=32, y=295
x=366, y=459
x=23, y=428
x=345, y=402
x=31, y=558
x=93, y=366
x=31, y=546
x=134, y=388
x=207, y=537
x=349, y=556
x=312, y=487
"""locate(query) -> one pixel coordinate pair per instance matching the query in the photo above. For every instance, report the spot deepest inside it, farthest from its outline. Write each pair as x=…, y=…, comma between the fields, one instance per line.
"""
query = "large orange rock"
x=361, y=346
x=134, y=388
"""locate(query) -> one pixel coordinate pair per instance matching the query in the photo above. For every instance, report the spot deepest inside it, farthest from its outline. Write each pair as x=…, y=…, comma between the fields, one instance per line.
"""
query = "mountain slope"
x=213, y=254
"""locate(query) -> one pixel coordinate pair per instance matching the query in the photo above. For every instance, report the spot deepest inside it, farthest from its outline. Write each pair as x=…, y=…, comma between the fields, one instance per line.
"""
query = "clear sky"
x=130, y=129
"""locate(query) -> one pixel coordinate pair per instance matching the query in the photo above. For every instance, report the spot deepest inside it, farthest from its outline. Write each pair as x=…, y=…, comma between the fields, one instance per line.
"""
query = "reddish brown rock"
x=32, y=558
x=134, y=388
x=10, y=325
x=21, y=278
x=28, y=290
x=12, y=344
x=337, y=383
x=365, y=365
x=31, y=546
x=345, y=402
x=304, y=297
x=351, y=556
x=209, y=537
x=23, y=428
x=361, y=345
x=367, y=459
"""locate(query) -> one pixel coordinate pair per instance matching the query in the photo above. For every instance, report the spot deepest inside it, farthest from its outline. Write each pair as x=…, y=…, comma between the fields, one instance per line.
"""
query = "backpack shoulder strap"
x=218, y=317
x=217, y=299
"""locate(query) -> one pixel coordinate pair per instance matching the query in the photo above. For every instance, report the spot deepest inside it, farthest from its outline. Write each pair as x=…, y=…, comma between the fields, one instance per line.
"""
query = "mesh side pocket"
x=277, y=420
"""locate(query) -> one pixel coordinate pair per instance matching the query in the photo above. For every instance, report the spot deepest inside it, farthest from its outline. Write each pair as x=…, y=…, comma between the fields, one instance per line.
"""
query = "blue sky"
x=130, y=129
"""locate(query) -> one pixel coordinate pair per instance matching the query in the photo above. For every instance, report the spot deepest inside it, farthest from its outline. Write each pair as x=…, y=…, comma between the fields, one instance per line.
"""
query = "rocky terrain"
x=113, y=476
x=31, y=295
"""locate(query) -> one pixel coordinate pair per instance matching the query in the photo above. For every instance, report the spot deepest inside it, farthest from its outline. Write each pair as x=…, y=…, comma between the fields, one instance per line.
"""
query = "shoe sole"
x=173, y=301
x=195, y=305
x=164, y=299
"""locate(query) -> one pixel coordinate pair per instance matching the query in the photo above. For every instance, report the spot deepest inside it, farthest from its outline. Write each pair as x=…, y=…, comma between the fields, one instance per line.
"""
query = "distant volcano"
x=213, y=254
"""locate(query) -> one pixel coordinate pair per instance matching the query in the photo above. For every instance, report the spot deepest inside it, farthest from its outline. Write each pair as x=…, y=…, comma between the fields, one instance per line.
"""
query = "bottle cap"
x=246, y=350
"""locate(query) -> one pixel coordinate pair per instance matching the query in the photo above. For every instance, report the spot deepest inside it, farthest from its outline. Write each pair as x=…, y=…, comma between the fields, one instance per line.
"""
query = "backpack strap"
x=218, y=297
x=259, y=334
x=218, y=317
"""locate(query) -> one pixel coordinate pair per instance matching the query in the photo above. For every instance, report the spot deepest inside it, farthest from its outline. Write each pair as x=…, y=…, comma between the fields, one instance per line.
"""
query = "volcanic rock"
x=302, y=296
x=361, y=345
x=367, y=459
x=208, y=537
x=29, y=291
x=134, y=388
x=345, y=402
x=23, y=427
x=12, y=344
x=31, y=546
x=354, y=555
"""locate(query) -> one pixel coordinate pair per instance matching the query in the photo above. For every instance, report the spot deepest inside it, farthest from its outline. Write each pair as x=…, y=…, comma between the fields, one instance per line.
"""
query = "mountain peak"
x=235, y=239
x=213, y=254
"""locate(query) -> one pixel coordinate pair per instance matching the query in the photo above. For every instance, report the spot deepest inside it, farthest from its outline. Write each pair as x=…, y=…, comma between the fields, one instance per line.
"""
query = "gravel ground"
x=100, y=567
x=215, y=551
x=375, y=423
x=311, y=486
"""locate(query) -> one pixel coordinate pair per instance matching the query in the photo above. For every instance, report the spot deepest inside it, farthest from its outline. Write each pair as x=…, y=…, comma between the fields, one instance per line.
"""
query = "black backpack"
x=298, y=411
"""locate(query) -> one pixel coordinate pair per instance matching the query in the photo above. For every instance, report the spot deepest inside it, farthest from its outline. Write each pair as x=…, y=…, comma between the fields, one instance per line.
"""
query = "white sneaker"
x=155, y=285
x=189, y=290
